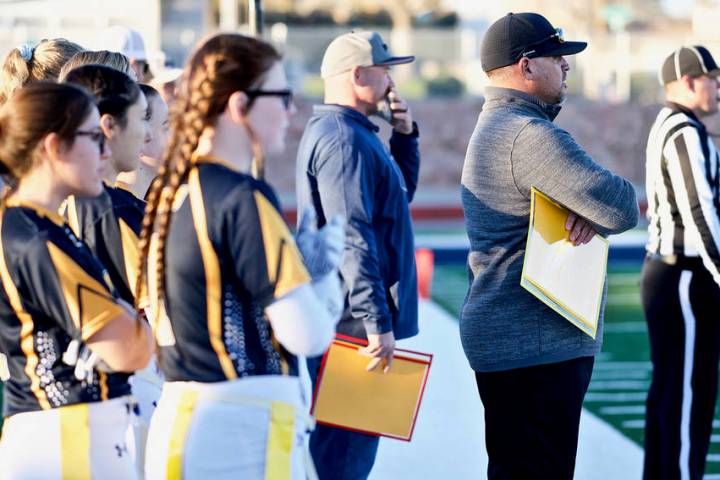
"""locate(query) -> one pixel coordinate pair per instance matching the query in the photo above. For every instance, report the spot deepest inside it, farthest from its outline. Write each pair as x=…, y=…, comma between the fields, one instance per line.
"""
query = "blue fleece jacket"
x=344, y=168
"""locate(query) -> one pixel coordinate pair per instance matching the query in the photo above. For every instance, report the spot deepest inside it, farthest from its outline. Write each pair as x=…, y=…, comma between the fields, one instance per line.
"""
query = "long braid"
x=151, y=208
x=222, y=65
x=188, y=126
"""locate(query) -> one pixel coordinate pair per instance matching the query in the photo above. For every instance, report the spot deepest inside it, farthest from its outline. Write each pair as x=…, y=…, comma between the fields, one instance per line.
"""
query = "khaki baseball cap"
x=357, y=49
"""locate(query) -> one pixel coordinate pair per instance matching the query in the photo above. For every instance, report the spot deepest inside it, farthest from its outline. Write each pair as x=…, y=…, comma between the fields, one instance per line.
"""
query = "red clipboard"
x=349, y=397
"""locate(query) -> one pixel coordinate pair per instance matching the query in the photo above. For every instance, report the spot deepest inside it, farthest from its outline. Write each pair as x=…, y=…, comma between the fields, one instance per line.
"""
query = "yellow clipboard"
x=349, y=397
x=569, y=279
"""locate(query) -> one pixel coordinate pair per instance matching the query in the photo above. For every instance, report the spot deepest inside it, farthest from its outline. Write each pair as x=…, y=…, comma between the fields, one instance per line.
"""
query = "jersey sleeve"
x=693, y=193
x=266, y=260
x=68, y=285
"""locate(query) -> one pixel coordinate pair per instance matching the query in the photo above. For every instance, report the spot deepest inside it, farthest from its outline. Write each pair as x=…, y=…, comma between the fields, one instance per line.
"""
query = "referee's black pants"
x=682, y=308
x=532, y=416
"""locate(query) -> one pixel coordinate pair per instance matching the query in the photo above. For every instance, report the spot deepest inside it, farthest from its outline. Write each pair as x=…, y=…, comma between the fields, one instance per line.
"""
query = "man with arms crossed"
x=344, y=168
x=531, y=365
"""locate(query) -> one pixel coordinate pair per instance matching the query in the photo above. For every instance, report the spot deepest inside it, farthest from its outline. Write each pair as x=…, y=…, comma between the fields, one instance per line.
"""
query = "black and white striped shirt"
x=683, y=189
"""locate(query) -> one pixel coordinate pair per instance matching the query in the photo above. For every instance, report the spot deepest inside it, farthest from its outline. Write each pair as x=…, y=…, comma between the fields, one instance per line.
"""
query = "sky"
x=678, y=8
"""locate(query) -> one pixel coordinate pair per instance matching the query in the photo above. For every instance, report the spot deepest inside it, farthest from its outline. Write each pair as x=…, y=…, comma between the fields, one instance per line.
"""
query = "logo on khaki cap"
x=357, y=49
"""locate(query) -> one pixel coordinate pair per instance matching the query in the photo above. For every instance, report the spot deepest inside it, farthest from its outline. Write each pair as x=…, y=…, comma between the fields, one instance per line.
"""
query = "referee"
x=681, y=274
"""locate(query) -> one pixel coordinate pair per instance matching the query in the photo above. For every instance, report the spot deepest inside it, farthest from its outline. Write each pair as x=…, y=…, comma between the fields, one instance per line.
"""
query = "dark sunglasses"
x=144, y=65
x=559, y=34
x=286, y=95
x=96, y=136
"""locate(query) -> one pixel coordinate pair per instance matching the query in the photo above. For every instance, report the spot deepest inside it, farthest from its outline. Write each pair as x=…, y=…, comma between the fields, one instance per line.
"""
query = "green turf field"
x=622, y=371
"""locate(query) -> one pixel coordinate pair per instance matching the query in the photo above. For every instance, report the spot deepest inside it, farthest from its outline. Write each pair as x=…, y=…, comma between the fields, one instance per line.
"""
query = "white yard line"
x=625, y=327
x=623, y=410
x=623, y=279
x=620, y=397
x=634, y=424
x=622, y=366
x=641, y=385
x=623, y=299
x=620, y=375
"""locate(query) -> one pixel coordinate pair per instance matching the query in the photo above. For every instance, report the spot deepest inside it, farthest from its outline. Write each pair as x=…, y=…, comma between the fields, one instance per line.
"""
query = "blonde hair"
x=115, y=60
x=26, y=64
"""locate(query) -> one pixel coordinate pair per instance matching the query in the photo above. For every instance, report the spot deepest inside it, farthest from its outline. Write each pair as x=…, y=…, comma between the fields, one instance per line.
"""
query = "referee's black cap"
x=694, y=61
x=518, y=35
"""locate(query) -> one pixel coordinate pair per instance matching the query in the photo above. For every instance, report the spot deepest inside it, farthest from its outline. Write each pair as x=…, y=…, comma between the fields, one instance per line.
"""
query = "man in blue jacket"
x=344, y=168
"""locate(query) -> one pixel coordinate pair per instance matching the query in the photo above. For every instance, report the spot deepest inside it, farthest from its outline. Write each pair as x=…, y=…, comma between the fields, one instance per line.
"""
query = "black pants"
x=682, y=308
x=532, y=416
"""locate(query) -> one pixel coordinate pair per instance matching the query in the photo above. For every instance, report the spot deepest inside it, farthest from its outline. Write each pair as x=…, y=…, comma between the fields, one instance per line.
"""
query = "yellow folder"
x=569, y=279
x=347, y=396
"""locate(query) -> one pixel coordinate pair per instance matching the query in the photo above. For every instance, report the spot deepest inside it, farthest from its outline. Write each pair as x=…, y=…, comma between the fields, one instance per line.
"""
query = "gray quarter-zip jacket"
x=516, y=146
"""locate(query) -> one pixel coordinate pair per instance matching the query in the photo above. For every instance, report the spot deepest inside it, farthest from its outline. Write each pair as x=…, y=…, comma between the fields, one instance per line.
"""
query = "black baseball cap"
x=518, y=35
x=694, y=61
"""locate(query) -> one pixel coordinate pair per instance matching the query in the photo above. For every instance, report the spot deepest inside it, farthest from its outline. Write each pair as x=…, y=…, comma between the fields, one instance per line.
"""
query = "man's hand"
x=401, y=117
x=581, y=231
x=381, y=348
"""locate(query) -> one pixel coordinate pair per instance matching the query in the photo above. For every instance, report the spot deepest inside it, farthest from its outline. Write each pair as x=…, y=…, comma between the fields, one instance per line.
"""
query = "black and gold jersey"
x=110, y=225
x=229, y=254
x=54, y=293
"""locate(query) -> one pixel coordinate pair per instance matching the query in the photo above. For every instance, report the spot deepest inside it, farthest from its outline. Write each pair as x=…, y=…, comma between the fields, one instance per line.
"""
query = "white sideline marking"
x=713, y=457
x=448, y=441
x=623, y=410
x=604, y=453
x=449, y=436
x=714, y=438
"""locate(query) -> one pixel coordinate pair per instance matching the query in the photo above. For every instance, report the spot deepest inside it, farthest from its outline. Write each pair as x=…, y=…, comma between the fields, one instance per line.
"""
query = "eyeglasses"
x=559, y=34
x=286, y=95
x=96, y=136
x=144, y=66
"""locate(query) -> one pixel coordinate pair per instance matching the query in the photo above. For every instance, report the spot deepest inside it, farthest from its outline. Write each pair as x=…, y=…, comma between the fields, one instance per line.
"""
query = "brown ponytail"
x=40, y=62
x=222, y=65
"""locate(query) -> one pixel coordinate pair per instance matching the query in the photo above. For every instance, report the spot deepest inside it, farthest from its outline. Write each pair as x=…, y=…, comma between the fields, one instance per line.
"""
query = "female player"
x=110, y=223
x=64, y=328
x=138, y=181
x=229, y=282
x=28, y=63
